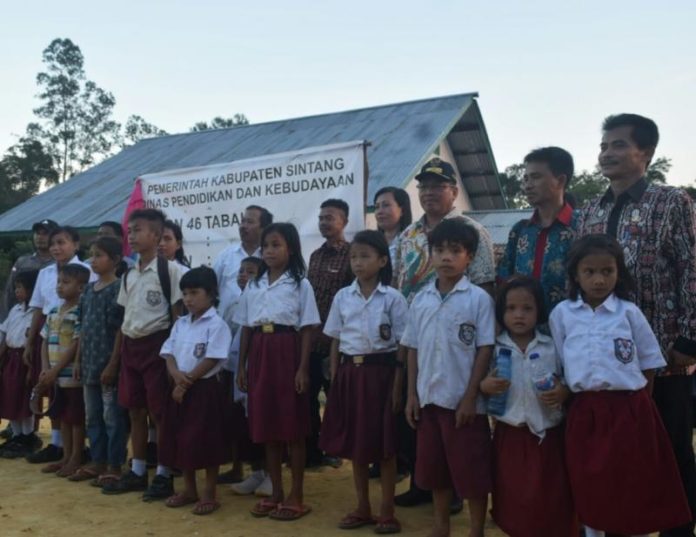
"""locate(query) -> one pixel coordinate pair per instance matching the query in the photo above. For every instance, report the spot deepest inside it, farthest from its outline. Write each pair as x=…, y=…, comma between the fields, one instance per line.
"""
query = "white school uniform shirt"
x=226, y=267
x=367, y=325
x=282, y=302
x=45, y=295
x=446, y=332
x=145, y=309
x=15, y=328
x=192, y=341
x=606, y=348
x=523, y=404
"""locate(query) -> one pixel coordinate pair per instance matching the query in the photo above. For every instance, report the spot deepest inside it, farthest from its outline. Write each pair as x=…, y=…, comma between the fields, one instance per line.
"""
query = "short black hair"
x=27, y=279
x=599, y=244
x=559, y=161
x=454, y=231
x=75, y=271
x=111, y=246
x=402, y=199
x=376, y=240
x=521, y=281
x=67, y=230
x=154, y=216
x=201, y=278
x=296, y=265
x=253, y=260
x=336, y=204
x=265, y=218
x=644, y=131
x=115, y=226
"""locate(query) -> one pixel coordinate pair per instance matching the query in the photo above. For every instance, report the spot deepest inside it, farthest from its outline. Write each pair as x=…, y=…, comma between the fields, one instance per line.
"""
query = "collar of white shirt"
x=152, y=265
x=504, y=339
x=355, y=288
x=611, y=303
x=462, y=285
x=210, y=312
x=286, y=276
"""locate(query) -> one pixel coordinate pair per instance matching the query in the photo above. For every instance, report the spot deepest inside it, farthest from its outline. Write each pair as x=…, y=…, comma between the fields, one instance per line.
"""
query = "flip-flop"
x=83, y=474
x=292, y=512
x=263, y=508
x=205, y=507
x=179, y=500
x=103, y=479
x=51, y=468
x=65, y=472
x=355, y=520
x=387, y=525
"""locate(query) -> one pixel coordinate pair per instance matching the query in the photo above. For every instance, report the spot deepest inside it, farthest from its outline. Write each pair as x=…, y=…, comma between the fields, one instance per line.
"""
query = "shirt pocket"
x=153, y=299
x=462, y=331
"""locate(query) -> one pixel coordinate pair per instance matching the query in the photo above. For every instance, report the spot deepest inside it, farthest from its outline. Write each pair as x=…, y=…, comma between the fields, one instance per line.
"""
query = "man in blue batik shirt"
x=538, y=246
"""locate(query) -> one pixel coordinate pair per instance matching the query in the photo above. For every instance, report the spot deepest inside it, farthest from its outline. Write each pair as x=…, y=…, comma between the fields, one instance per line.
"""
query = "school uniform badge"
x=623, y=350
x=199, y=350
x=385, y=331
x=467, y=333
x=154, y=298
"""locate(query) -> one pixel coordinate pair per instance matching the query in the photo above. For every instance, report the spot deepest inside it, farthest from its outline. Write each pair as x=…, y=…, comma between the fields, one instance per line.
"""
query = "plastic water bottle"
x=542, y=378
x=503, y=364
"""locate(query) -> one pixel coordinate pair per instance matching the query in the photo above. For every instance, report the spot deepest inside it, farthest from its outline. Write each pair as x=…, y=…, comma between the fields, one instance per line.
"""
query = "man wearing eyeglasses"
x=437, y=191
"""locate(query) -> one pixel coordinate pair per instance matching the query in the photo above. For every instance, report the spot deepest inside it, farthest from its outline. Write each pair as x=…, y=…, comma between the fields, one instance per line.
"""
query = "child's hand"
x=109, y=375
x=493, y=384
x=466, y=412
x=556, y=396
x=413, y=411
x=180, y=379
x=301, y=381
x=47, y=378
x=178, y=394
x=242, y=380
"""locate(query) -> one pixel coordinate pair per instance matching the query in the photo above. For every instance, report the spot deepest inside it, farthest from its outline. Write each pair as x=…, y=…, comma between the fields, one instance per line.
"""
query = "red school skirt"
x=359, y=423
x=14, y=389
x=621, y=466
x=192, y=434
x=277, y=413
x=531, y=492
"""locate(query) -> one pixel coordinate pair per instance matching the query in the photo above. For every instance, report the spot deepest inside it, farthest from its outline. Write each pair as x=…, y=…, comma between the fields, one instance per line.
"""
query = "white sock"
x=16, y=428
x=139, y=467
x=589, y=532
x=27, y=425
x=163, y=471
x=56, y=439
x=152, y=435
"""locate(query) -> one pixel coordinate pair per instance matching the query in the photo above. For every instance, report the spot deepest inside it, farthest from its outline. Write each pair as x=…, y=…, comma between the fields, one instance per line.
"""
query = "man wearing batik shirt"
x=437, y=191
x=538, y=246
x=655, y=225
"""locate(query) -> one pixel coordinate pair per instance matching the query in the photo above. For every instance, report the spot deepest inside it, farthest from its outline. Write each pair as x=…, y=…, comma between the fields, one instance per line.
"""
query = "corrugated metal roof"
x=499, y=223
x=402, y=137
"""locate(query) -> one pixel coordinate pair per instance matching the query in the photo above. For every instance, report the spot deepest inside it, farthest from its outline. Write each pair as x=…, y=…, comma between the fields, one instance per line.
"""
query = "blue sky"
x=547, y=72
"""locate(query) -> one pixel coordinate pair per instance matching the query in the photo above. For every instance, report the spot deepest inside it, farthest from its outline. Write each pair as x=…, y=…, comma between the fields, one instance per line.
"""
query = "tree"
x=22, y=170
x=511, y=184
x=221, y=123
x=76, y=127
x=136, y=129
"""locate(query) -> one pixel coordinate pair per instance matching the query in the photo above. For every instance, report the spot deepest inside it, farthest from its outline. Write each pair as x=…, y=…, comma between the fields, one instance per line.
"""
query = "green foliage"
x=22, y=169
x=76, y=125
x=511, y=183
x=221, y=123
x=137, y=128
x=11, y=247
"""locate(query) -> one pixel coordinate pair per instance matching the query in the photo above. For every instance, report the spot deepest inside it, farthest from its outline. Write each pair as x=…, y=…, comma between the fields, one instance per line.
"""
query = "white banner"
x=208, y=201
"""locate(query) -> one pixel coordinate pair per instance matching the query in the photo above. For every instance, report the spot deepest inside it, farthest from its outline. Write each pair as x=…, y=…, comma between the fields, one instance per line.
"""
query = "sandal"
x=263, y=508
x=179, y=500
x=205, y=507
x=355, y=520
x=85, y=473
x=387, y=525
x=52, y=468
x=104, y=479
x=287, y=513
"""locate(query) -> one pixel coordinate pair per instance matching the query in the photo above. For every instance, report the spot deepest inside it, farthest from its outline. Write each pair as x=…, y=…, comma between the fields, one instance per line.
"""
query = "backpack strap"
x=165, y=282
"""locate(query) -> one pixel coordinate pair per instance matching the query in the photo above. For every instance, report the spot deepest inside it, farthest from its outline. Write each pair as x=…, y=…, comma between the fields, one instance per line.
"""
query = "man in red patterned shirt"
x=655, y=225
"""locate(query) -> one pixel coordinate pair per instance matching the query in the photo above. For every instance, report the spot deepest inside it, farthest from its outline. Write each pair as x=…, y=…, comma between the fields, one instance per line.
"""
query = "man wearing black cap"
x=413, y=270
x=36, y=261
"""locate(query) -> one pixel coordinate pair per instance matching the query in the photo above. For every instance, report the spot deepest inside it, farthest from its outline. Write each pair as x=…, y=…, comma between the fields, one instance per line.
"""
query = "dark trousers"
x=673, y=397
x=317, y=381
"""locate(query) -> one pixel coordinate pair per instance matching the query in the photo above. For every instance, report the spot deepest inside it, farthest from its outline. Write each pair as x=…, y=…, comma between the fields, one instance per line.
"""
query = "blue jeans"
x=107, y=425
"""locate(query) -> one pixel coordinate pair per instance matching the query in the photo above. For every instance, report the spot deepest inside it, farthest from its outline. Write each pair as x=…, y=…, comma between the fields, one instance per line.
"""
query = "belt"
x=272, y=328
x=378, y=358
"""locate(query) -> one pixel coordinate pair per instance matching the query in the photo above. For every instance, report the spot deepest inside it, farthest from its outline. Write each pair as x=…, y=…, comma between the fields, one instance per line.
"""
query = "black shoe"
x=21, y=446
x=6, y=433
x=456, y=506
x=151, y=455
x=9, y=447
x=50, y=453
x=128, y=482
x=413, y=497
x=161, y=488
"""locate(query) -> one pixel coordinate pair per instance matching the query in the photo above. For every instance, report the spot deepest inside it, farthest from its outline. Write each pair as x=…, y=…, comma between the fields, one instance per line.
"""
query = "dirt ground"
x=35, y=504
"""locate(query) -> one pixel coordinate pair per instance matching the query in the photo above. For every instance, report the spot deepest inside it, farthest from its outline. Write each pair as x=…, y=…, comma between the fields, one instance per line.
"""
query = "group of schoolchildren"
x=152, y=342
